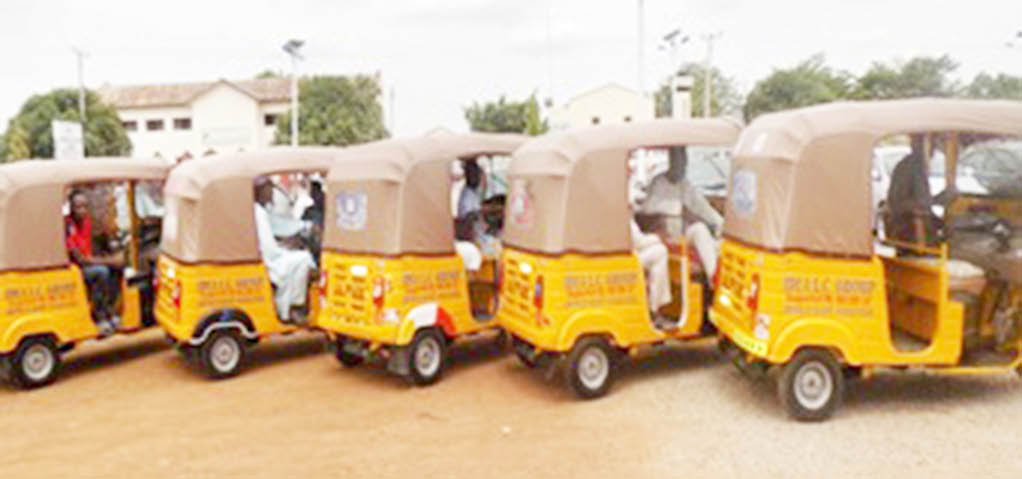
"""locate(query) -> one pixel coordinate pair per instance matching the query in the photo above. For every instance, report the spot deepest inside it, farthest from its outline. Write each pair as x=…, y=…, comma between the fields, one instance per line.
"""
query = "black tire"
x=812, y=385
x=222, y=354
x=347, y=359
x=592, y=367
x=35, y=363
x=427, y=357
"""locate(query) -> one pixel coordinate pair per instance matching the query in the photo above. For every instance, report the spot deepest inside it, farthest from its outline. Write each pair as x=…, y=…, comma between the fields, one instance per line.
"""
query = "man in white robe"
x=668, y=196
x=653, y=255
x=289, y=269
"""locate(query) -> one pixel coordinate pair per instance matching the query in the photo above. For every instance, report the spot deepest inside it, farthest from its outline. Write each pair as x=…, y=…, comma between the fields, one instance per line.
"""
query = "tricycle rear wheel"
x=811, y=386
x=591, y=367
x=36, y=362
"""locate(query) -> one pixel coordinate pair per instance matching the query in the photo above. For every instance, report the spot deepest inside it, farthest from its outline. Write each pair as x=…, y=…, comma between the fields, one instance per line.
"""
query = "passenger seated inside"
x=910, y=215
x=464, y=231
x=290, y=269
x=99, y=272
x=652, y=253
x=669, y=194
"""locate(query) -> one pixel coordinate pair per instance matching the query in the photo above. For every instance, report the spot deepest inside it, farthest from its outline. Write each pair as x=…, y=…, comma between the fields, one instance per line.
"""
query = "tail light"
x=752, y=299
x=322, y=279
x=379, y=291
x=500, y=277
x=537, y=294
x=175, y=294
x=716, y=278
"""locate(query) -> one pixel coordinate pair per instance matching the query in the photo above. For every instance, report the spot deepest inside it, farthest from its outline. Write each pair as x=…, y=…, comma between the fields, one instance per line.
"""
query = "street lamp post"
x=707, y=77
x=291, y=48
x=81, y=84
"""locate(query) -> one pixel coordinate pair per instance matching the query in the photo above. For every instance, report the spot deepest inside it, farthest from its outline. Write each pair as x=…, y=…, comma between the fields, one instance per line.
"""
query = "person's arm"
x=922, y=199
x=696, y=203
x=642, y=240
x=268, y=246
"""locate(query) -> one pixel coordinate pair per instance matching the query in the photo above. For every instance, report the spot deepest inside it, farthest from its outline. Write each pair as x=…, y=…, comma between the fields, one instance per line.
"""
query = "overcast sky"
x=439, y=59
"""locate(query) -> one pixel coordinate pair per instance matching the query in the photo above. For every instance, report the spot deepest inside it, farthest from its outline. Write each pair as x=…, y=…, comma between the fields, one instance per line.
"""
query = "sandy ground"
x=130, y=407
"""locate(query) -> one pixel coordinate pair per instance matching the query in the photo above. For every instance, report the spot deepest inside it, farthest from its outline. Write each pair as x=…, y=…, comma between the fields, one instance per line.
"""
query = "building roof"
x=264, y=90
x=603, y=88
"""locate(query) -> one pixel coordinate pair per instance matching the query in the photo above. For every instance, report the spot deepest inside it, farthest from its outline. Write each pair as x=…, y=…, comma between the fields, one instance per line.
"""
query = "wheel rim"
x=225, y=354
x=427, y=357
x=813, y=385
x=37, y=363
x=593, y=368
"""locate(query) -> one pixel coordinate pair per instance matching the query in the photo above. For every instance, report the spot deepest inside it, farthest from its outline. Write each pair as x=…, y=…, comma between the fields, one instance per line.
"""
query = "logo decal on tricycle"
x=743, y=193
x=352, y=210
x=31, y=299
x=588, y=289
x=521, y=205
x=824, y=295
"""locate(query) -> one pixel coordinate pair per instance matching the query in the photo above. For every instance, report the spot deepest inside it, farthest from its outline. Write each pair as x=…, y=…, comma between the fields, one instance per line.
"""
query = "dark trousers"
x=103, y=289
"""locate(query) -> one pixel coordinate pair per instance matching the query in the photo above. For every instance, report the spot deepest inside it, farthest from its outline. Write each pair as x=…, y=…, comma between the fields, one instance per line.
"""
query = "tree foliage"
x=1001, y=86
x=918, y=77
x=808, y=83
x=30, y=134
x=336, y=110
x=505, y=116
x=268, y=73
x=725, y=98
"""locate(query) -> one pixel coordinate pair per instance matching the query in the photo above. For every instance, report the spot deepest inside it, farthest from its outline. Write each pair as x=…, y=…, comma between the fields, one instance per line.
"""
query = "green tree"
x=16, y=143
x=31, y=127
x=336, y=110
x=808, y=83
x=268, y=73
x=724, y=99
x=1001, y=86
x=918, y=77
x=503, y=116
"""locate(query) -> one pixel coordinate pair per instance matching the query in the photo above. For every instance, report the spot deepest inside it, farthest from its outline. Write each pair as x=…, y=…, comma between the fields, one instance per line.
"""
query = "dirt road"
x=130, y=407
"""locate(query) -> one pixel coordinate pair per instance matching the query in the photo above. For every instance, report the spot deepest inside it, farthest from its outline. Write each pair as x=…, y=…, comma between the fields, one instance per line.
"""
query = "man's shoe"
x=106, y=328
x=664, y=323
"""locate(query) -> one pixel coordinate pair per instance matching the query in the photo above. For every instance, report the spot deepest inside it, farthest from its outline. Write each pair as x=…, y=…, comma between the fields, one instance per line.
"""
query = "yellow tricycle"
x=236, y=262
x=812, y=295
x=576, y=272
x=398, y=286
x=74, y=275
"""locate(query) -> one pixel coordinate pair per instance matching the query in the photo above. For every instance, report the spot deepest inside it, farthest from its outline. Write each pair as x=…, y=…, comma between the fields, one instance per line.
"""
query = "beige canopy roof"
x=393, y=197
x=800, y=179
x=569, y=191
x=210, y=205
x=32, y=193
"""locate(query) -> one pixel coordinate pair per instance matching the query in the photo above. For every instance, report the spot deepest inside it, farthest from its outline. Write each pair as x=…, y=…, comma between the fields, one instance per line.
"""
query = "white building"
x=195, y=119
x=608, y=104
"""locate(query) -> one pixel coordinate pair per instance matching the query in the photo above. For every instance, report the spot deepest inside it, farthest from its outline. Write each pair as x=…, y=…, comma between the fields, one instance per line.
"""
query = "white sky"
x=439, y=59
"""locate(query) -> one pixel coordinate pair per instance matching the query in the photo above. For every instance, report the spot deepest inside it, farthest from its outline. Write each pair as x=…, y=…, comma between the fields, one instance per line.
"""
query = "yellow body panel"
x=208, y=289
x=846, y=305
x=54, y=301
x=583, y=295
x=413, y=291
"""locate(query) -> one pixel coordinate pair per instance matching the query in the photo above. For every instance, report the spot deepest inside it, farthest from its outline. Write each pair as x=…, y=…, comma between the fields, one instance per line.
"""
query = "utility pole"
x=641, y=53
x=393, y=111
x=707, y=77
x=291, y=48
x=81, y=83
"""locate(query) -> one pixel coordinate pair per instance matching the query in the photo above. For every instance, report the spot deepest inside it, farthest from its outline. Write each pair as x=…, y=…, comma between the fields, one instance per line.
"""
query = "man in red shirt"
x=98, y=272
